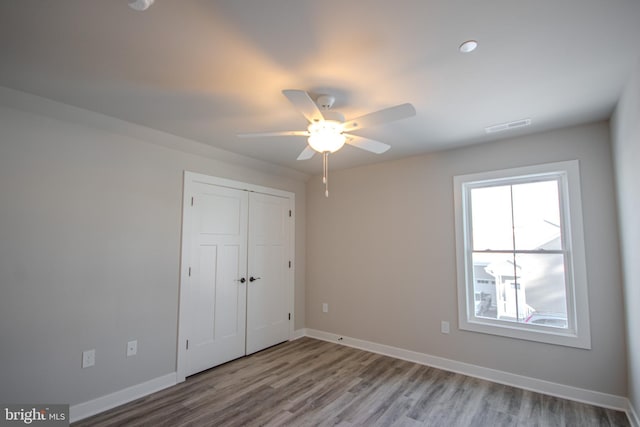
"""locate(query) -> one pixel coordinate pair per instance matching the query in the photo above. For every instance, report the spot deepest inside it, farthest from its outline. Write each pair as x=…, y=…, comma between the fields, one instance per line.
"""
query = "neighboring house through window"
x=520, y=254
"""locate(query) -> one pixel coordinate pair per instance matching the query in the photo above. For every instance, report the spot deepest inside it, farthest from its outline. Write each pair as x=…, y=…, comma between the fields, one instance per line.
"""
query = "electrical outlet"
x=444, y=327
x=325, y=307
x=88, y=358
x=132, y=348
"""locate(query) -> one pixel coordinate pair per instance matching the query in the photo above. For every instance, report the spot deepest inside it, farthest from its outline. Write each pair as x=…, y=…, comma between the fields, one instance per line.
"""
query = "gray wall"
x=380, y=252
x=90, y=246
x=626, y=152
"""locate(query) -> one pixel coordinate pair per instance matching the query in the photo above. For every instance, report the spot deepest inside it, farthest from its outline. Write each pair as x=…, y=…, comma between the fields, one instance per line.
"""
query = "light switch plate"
x=325, y=307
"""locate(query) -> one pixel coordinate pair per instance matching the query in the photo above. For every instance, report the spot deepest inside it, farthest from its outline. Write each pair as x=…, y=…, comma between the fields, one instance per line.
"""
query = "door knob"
x=242, y=280
x=253, y=279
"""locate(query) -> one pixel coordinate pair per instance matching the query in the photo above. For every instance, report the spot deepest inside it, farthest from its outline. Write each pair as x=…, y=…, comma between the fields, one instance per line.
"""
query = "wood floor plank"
x=308, y=382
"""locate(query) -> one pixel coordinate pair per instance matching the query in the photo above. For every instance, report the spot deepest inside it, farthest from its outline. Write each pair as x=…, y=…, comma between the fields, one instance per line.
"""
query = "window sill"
x=546, y=335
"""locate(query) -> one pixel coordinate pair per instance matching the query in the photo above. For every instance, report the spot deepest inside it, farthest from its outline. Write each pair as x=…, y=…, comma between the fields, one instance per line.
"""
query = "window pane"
x=530, y=291
x=491, y=218
x=543, y=282
x=536, y=215
x=494, y=279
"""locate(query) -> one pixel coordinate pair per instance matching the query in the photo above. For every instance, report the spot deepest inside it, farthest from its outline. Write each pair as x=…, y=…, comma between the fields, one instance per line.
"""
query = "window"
x=520, y=254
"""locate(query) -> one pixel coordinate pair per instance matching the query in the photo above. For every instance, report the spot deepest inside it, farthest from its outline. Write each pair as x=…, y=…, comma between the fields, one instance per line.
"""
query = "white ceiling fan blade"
x=386, y=115
x=303, y=102
x=281, y=133
x=307, y=153
x=367, y=144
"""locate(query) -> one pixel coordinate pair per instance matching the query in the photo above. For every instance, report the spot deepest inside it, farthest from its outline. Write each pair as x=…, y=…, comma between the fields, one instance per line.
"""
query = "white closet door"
x=267, y=299
x=216, y=296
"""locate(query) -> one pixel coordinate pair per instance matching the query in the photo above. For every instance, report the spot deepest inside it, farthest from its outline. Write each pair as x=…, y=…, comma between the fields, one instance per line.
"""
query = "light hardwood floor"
x=308, y=382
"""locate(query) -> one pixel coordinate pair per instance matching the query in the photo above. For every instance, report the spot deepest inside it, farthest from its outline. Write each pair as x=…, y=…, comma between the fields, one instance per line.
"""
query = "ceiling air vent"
x=507, y=126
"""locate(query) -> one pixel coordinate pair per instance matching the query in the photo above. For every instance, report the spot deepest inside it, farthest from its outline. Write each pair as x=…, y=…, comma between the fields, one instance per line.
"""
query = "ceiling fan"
x=326, y=132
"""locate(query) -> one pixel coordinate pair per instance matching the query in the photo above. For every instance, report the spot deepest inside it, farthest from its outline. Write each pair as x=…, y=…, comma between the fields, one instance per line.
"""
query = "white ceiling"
x=207, y=70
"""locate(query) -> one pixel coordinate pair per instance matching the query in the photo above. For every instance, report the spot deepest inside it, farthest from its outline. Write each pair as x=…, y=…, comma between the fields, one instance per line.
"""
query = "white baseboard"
x=299, y=333
x=546, y=387
x=632, y=414
x=95, y=406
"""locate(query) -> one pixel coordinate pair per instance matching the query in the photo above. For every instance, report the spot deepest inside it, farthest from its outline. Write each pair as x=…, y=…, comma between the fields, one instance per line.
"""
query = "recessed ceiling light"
x=140, y=5
x=468, y=46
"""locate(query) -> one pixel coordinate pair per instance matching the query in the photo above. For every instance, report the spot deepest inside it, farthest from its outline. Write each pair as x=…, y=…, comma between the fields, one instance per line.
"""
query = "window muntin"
x=515, y=259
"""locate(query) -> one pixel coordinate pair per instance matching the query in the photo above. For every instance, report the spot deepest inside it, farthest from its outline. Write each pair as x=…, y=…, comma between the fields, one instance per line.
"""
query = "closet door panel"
x=267, y=294
x=216, y=299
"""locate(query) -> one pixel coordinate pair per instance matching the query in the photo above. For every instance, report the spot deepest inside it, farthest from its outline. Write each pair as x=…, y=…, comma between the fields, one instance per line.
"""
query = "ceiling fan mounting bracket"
x=325, y=102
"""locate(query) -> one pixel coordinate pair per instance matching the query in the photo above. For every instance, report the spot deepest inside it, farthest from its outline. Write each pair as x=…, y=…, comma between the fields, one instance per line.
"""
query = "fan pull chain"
x=324, y=168
x=325, y=172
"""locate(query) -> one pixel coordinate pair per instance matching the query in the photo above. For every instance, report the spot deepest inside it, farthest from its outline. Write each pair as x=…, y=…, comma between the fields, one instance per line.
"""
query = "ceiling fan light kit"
x=326, y=130
x=326, y=136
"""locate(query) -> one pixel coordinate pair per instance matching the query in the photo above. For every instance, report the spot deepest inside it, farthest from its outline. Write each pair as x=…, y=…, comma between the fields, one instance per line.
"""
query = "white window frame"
x=578, y=333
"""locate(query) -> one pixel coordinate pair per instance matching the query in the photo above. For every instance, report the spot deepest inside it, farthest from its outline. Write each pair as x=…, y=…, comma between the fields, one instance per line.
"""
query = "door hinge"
x=189, y=271
x=289, y=213
x=187, y=344
x=289, y=316
x=192, y=201
x=289, y=264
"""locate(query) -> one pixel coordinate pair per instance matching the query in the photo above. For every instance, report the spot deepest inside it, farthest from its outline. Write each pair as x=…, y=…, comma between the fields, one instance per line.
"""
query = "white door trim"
x=189, y=179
